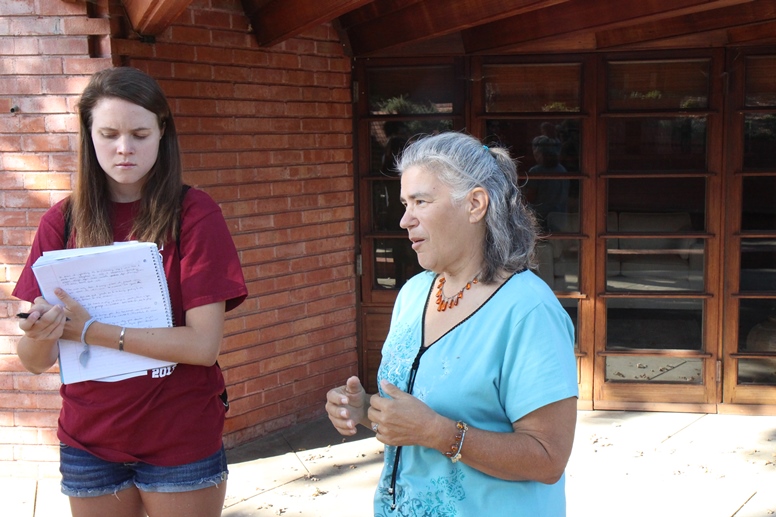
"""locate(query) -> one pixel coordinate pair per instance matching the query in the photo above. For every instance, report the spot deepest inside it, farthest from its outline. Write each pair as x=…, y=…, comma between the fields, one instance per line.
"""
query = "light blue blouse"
x=512, y=356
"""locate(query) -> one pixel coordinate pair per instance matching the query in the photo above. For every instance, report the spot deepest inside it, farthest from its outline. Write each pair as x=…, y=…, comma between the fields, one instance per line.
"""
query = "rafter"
x=152, y=17
x=758, y=33
x=575, y=16
x=689, y=24
x=429, y=19
x=276, y=20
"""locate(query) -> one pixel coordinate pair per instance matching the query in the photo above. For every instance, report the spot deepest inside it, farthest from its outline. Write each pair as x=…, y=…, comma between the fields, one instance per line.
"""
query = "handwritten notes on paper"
x=123, y=285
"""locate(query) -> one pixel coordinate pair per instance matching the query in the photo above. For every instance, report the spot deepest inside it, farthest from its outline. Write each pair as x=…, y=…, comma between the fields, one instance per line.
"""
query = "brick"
x=16, y=8
x=232, y=38
x=156, y=69
x=43, y=382
x=42, y=105
x=196, y=106
x=235, y=142
x=20, y=46
x=175, y=52
x=63, y=45
x=73, y=25
x=17, y=237
x=235, y=107
x=211, y=18
x=133, y=47
x=250, y=57
x=299, y=46
x=331, y=48
x=58, y=8
x=30, y=26
x=84, y=66
x=192, y=35
x=283, y=61
x=254, y=91
x=331, y=79
x=39, y=419
x=215, y=90
x=36, y=65
x=24, y=162
x=48, y=452
x=268, y=76
x=45, y=143
x=65, y=162
x=299, y=77
x=61, y=123
x=19, y=86
x=10, y=143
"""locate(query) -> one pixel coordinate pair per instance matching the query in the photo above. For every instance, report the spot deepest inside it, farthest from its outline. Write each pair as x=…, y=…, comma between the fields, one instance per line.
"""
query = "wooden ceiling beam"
x=419, y=21
x=751, y=34
x=688, y=24
x=374, y=10
x=575, y=16
x=274, y=21
x=152, y=17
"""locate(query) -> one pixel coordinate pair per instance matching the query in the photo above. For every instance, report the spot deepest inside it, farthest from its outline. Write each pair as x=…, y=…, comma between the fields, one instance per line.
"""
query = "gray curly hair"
x=463, y=163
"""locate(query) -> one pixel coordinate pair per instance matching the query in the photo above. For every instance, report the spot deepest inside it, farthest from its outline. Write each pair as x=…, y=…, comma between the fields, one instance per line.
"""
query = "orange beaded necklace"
x=443, y=302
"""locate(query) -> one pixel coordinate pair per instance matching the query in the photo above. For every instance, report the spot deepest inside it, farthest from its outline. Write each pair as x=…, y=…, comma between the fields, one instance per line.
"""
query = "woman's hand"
x=347, y=406
x=45, y=325
x=77, y=316
x=45, y=322
x=538, y=449
x=404, y=419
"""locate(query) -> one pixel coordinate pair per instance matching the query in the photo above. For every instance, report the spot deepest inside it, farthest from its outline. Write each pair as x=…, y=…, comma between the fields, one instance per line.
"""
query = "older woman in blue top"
x=478, y=387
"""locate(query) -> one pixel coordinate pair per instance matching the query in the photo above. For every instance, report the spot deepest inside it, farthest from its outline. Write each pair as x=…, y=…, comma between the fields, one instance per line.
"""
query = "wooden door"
x=750, y=232
x=657, y=328
x=539, y=108
x=396, y=99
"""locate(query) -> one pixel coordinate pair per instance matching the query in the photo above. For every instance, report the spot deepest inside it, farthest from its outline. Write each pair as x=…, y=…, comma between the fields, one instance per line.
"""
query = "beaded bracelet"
x=455, y=450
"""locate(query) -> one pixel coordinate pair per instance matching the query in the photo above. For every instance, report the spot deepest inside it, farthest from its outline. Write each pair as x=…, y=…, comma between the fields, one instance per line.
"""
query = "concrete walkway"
x=623, y=463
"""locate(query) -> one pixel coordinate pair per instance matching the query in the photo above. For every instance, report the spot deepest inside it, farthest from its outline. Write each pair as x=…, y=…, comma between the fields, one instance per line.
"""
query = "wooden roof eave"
x=417, y=22
x=152, y=17
x=576, y=19
x=738, y=16
x=274, y=21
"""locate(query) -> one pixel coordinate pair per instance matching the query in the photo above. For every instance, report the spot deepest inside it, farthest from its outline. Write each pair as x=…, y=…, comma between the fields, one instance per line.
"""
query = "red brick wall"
x=267, y=132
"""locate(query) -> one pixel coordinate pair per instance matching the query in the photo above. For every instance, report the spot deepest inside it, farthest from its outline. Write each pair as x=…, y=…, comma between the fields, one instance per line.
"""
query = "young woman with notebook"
x=149, y=444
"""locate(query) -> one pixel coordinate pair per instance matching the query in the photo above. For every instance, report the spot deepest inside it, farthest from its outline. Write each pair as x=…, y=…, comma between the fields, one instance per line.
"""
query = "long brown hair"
x=90, y=206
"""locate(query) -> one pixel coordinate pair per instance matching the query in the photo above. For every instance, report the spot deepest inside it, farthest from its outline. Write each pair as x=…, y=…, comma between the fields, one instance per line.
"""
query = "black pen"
x=25, y=315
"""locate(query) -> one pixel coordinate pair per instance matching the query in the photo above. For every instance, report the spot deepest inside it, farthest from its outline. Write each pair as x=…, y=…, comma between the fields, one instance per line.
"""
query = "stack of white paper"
x=123, y=284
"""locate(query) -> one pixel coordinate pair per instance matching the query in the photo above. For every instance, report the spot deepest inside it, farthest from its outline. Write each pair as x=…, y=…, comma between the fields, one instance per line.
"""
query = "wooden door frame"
x=736, y=398
x=702, y=397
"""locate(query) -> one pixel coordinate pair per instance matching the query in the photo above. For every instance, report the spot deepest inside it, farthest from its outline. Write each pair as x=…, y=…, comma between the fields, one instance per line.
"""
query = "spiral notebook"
x=122, y=284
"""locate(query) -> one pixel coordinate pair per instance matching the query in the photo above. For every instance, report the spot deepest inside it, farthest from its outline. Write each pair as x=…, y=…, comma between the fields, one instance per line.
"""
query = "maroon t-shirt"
x=170, y=416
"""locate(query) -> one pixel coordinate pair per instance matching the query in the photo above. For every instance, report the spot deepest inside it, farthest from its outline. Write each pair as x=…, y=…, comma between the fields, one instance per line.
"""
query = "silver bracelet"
x=86, y=327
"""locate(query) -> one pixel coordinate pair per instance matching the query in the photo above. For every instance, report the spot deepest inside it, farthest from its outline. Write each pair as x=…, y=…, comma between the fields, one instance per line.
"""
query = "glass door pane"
x=657, y=144
x=757, y=335
x=659, y=85
x=526, y=88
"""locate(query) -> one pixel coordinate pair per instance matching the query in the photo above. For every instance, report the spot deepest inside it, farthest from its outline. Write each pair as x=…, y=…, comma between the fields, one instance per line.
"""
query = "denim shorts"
x=85, y=475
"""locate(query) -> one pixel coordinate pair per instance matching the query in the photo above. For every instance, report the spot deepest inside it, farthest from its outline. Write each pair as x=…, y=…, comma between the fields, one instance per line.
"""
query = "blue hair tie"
x=486, y=147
